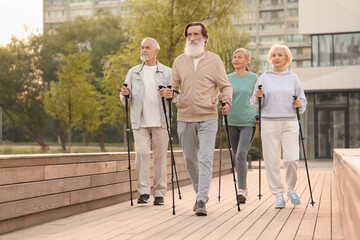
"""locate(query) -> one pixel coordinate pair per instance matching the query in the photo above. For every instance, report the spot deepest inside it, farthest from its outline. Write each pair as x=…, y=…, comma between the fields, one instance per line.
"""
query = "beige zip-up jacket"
x=199, y=89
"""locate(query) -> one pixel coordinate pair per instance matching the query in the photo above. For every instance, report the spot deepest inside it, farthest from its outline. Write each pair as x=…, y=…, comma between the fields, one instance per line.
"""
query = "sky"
x=14, y=14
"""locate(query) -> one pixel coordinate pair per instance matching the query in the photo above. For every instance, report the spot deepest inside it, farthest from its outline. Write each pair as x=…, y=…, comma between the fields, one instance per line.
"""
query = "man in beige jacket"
x=199, y=74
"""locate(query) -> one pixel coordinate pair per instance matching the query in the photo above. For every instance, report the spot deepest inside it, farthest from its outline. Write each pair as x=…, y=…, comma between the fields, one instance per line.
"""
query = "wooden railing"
x=39, y=188
x=347, y=173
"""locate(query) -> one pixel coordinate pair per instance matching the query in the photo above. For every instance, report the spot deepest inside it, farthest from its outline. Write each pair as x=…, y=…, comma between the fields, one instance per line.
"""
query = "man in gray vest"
x=148, y=120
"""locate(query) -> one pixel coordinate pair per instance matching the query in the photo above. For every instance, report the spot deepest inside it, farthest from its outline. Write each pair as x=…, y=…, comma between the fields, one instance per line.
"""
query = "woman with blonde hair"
x=241, y=118
x=279, y=125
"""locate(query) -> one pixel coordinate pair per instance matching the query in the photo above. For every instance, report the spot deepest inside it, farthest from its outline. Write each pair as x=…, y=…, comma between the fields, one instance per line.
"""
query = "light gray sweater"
x=279, y=89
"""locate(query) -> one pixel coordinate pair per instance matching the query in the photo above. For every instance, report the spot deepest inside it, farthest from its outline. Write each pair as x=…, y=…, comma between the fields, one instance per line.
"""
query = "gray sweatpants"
x=197, y=140
x=240, y=140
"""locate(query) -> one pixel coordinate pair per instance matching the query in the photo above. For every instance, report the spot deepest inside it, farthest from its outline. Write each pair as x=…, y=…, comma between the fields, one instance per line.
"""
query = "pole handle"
x=126, y=85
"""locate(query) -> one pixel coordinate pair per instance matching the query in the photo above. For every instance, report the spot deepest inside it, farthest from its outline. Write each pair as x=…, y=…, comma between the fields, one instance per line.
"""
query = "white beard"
x=146, y=58
x=194, y=50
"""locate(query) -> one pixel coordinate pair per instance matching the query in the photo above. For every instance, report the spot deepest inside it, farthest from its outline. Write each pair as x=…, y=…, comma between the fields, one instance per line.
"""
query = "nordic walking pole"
x=128, y=144
x=303, y=146
x=170, y=139
x=260, y=144
x=231, y=158
x=173, y=166
x=221, y=126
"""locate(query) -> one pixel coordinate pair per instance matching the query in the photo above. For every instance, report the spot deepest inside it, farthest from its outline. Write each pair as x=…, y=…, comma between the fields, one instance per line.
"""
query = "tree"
x=98, y=37
x=64, y=99
x=165, y=21
x=21, y=87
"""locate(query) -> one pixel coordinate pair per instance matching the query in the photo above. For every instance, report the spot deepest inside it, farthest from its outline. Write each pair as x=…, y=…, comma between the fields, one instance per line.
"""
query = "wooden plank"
x=28, y=206
x=270, y=230
x=81, y=169
x=337, y=231
x=35, y=189
x=20, y=175
x=323, y=222
x=227, y=212
x=257, y=219
x=308, y=222
x=290, y=228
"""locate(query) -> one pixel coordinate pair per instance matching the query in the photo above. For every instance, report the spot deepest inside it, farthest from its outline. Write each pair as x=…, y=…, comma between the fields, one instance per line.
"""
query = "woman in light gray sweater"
x=279, y=123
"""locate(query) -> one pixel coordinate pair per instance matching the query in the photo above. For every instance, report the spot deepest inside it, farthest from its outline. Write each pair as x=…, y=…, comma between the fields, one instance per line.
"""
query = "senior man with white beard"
x=148, y=120
x=199, y=74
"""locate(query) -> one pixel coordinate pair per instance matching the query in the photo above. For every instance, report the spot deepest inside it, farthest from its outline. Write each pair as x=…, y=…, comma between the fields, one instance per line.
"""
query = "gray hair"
x=155, y=43
x=246, y=53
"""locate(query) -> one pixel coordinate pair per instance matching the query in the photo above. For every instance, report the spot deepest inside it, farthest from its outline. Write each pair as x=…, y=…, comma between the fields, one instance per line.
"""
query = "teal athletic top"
x=241, y=112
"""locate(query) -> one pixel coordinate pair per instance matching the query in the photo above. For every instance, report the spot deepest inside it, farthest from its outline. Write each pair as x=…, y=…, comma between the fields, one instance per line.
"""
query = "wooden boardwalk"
x=257, y=219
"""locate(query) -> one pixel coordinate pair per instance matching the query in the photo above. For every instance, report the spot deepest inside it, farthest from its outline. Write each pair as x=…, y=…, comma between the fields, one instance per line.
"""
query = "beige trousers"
x=274, y=135
x=159, y=138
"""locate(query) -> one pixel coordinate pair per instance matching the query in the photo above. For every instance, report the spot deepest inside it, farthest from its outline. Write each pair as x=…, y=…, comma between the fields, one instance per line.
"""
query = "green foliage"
x=165, y=21
x=21, y=88
x=73, y=100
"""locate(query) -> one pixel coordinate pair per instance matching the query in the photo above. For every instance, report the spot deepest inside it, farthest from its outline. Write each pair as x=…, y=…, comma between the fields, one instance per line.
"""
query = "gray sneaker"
x=201, y=208
x=145, y=198
x=280, y=203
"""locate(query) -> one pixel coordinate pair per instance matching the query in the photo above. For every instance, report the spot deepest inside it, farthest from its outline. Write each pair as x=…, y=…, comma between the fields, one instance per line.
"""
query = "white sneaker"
x=280, y=203
x=242, y=195
x=294, y=198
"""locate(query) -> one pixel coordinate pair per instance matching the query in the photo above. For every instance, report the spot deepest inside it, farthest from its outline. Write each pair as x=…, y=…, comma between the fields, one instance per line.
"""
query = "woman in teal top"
x=241, y=118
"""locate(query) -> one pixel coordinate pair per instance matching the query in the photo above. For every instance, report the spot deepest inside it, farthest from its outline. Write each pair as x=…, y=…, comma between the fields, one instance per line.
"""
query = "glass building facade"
x=335, y=49
x=331, y=120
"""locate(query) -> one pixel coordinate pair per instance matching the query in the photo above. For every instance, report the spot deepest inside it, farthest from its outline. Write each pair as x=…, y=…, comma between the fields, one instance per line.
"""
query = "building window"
x=336, y=49
x=292, y=25
x=272, y=26
x=56, y=14
x=272, y=39
x=347, y=49
x=54, y=2
x=272, y=14
x=81, y=12
x=106, y=1
x=325, y=50
x=315, y=51
x=298, y=38
x=293, y=12
x=248, y=3
x=354, y=119
x=80, y=1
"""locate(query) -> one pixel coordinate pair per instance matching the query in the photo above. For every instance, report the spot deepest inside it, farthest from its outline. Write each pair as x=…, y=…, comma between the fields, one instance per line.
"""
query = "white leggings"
x=274, y=135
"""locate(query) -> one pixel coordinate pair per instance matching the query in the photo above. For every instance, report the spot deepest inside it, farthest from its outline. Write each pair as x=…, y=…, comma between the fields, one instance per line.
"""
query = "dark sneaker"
x=145, y=198
x=159, y=201
x=242, y=195
x=201, y=208
x=194, y=207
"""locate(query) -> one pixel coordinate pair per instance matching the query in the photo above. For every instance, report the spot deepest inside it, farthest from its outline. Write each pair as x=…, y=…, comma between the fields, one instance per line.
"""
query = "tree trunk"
x=84, y=138
x=69, y=137
x=61, y=135
x=101, y=138
x=43, y=145
x=88, y=139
